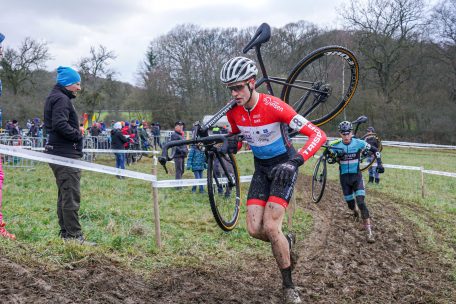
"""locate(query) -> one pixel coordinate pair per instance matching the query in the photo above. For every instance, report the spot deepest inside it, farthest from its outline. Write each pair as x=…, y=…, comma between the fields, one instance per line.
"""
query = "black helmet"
x=345, y=126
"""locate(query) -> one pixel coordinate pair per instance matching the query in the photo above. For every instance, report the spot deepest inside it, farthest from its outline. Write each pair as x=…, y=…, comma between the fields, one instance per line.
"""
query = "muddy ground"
x=336, y=266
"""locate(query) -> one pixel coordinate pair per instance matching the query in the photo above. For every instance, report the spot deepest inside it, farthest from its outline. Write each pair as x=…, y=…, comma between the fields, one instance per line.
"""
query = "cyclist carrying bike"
x=348, y=151
x=264, y=120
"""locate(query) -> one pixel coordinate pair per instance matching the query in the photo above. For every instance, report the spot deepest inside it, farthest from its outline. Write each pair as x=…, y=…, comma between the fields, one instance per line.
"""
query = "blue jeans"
x=373, y=169
x=198, y=174
x=120, y=160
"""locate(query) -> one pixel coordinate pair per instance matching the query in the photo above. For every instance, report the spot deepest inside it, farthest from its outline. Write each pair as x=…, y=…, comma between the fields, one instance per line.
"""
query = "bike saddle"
x=361, y=119
x=262, y=35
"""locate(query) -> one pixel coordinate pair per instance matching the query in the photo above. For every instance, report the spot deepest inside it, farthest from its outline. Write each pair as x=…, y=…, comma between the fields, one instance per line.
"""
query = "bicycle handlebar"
x=209, y=140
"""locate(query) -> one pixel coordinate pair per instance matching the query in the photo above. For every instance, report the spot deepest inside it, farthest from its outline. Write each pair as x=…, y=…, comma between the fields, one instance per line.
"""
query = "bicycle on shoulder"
x=330, y=156
x=318, y=87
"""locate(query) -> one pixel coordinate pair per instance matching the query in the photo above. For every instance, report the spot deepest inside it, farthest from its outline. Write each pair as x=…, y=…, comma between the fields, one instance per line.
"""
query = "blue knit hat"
x=2, y=37
x=67, y=76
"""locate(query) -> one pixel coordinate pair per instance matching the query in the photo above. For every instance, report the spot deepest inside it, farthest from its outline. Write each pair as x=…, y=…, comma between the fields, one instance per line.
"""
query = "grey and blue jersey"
x=349, y=154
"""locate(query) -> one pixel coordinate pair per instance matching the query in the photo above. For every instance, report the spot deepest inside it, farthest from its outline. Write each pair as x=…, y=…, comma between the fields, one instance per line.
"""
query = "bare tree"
x=443, y=23
x=95, y=77
x=18, y=65
x=385, y=31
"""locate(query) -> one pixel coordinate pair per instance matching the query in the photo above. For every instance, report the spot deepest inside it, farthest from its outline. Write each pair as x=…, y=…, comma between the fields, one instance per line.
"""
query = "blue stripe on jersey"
x=269, y=151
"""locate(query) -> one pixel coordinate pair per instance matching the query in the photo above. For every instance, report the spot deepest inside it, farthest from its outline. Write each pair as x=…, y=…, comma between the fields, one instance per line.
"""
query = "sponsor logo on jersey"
x=349, y=156
x=310, y=149
x=272, y=103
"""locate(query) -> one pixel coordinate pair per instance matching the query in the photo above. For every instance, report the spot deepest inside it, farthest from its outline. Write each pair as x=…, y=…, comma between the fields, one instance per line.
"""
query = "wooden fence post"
x=156, y=208
x=422, y=181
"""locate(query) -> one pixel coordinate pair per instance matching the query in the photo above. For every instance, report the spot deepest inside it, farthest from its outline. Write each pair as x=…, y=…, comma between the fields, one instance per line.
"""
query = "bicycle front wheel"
x=322, y=84
x=224, y=189
x=319, y=179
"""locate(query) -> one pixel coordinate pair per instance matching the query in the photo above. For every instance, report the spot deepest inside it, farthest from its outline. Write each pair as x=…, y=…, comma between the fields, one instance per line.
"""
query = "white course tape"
x=442, y=173
x=119, y=151
x=402, y=167
x=416, y=145
x=19, y=151
x=58, y=160
x=102, y=150
x=193, y=182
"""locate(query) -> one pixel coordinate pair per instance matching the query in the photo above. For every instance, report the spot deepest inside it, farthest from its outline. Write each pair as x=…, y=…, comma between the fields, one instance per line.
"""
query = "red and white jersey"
x=265, y=128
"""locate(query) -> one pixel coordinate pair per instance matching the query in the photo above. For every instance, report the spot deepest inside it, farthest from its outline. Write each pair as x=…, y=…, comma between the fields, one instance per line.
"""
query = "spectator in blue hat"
x=61, y=122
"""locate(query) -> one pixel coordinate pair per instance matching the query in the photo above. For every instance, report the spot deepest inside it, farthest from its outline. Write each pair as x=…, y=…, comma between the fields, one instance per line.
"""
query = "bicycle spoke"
x=333, y=72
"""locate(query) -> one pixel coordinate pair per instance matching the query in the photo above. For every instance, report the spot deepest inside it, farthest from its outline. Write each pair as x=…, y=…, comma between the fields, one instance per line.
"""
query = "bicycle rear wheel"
x=224, y=189
x=319, y=179
x=322, y=84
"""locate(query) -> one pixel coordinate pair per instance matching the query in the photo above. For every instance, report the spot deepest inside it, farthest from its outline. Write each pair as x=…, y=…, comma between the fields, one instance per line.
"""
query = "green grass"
x=118, y=215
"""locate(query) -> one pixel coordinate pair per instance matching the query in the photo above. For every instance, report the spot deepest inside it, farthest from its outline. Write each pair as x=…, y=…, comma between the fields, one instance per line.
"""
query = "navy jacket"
x=118, y=140
x=62, y=124
x=179, y=151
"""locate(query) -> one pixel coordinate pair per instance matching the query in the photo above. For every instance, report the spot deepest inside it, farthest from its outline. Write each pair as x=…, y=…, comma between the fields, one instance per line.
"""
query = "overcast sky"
x=126, y=27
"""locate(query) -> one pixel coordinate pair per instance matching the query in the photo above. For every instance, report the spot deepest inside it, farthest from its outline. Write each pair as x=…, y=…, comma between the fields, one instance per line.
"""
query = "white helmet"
x=238, y=69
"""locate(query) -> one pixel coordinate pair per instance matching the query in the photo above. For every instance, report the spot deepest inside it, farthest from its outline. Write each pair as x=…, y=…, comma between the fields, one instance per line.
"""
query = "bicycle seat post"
x=263, y=70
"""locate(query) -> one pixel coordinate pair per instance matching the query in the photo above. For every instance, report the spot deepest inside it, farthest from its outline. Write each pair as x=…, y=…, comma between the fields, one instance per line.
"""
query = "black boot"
x=371, y=179
x=377, y=180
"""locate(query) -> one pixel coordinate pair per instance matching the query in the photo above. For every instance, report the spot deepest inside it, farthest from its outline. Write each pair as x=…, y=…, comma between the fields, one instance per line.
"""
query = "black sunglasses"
x=237, y=88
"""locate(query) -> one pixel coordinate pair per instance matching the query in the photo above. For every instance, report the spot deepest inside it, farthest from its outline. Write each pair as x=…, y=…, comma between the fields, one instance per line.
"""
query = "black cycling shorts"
x=352, y=185
x=264, y=188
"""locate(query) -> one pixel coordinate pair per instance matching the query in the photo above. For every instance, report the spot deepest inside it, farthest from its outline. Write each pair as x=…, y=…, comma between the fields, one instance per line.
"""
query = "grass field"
x=118, y=215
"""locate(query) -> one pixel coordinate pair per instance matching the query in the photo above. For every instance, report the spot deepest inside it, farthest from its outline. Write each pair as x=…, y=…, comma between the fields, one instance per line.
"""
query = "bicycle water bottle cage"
x=262, y=35
x=322, y=91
